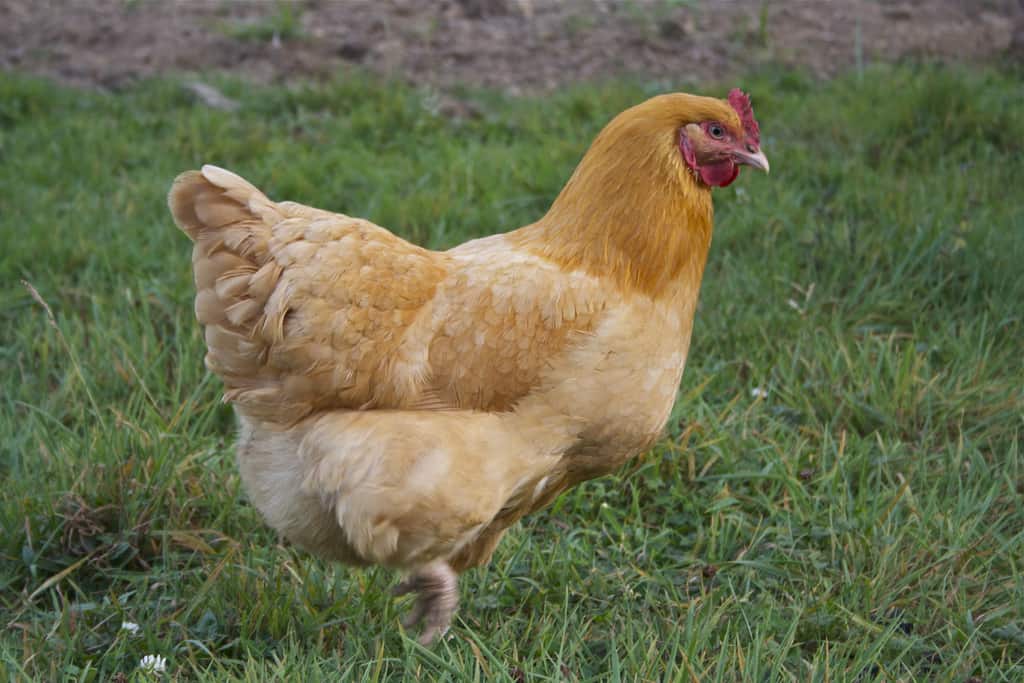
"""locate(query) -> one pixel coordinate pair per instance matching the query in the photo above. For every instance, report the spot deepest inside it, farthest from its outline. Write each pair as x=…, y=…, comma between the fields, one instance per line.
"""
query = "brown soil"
x=511, y=44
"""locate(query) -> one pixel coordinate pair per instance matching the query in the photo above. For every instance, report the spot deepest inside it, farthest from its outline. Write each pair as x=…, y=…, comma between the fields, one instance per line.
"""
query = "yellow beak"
x=755, y=158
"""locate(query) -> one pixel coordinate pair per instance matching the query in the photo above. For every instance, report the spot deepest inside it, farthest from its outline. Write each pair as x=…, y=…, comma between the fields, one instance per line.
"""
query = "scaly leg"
x=437, y=588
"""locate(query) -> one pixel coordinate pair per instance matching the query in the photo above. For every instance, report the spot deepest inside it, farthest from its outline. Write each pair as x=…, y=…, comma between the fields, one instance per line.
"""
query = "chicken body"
x=404, y=407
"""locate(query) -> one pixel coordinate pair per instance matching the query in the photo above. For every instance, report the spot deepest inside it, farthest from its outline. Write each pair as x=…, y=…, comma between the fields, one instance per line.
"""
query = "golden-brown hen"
x=403, y=407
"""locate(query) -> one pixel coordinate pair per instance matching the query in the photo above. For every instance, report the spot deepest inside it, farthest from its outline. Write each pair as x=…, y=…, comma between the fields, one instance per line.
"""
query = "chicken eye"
x=716, y=131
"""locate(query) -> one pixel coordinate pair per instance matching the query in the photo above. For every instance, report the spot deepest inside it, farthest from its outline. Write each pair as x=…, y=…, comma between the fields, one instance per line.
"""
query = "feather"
x=404, y=407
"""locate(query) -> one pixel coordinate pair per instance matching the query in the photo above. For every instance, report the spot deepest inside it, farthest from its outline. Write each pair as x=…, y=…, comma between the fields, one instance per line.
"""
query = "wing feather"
x=304, y=309
x=307, y=310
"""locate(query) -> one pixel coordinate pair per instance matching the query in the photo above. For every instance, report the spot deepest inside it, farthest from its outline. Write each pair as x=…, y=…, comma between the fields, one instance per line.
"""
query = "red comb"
x=740, y=101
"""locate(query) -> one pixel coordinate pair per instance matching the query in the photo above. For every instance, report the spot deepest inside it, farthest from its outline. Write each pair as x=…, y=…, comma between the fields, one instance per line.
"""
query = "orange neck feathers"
x=632, y=211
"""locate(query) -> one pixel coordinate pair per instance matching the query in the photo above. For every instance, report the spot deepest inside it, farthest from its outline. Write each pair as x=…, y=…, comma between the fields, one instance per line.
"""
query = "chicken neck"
x=645, y=221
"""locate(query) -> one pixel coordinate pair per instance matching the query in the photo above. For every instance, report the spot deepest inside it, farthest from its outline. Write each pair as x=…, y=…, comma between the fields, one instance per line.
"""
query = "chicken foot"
x=436, y=587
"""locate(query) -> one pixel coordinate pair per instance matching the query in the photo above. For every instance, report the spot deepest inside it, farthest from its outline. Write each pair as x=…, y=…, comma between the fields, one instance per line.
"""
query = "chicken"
x=403, y=407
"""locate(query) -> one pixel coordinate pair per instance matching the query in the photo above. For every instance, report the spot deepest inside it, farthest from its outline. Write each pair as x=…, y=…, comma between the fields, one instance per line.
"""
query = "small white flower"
x=154, y=664
x=131, y=627
x=759, y=392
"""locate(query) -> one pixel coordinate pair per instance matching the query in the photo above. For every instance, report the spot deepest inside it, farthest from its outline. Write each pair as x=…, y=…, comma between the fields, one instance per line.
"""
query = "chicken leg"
x=436, y=587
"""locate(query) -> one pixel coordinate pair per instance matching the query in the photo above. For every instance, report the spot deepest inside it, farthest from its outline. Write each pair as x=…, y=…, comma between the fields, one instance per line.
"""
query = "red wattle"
x=715, y=175
x=719, y=175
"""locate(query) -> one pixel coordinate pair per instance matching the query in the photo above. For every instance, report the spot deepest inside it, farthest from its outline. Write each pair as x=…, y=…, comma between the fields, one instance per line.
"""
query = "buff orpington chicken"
x=403, y=407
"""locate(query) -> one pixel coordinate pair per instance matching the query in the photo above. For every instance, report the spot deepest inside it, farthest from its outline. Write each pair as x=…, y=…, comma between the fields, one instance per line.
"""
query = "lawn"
x=839, y=495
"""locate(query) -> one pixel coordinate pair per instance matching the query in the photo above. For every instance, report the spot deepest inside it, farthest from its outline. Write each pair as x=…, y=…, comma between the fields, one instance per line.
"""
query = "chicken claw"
x=436, y=587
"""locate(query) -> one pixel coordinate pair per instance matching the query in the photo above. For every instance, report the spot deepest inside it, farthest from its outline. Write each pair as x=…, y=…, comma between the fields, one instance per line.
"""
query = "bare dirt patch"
x=511, y=44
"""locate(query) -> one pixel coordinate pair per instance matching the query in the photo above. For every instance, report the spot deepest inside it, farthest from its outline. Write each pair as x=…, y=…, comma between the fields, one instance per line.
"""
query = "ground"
x=511, y=44
x=838, y=495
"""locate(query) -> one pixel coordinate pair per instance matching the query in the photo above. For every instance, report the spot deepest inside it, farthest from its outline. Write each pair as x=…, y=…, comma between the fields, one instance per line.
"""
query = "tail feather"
x=231, y=223
x=304, y=309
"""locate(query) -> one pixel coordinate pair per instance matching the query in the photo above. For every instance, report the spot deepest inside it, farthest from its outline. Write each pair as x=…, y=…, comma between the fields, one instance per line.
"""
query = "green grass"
x=862, y=522
x=282, y=21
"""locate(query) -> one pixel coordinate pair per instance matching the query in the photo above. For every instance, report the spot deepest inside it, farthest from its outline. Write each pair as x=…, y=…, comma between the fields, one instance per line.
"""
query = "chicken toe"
x=436, y=587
